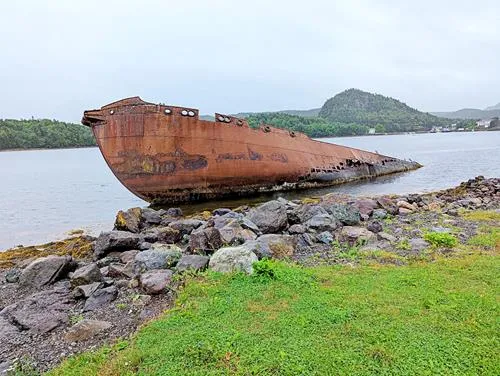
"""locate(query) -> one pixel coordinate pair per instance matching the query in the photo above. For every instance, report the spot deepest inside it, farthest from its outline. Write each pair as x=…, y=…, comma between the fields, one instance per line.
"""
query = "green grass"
x=421, y=319
x=487, y=238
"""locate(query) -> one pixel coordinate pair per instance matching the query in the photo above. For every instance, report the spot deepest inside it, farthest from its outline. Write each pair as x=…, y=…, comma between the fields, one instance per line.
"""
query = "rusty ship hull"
x=167, y=154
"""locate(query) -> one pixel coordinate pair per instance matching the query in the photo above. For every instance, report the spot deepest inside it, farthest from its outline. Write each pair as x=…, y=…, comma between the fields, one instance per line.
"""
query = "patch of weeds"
x=441, y=239
x=384, y=257
x=310, y=200
x=264, y=269
x=481, y=215
x=389, y=220
x=404, y=245
x=487, y=238
x=23, y=366
x=74, y=319
x=281, y=250
x=121, y=306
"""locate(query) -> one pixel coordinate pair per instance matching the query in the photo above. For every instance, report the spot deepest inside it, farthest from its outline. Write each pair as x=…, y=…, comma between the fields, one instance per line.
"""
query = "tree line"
x=43, y=133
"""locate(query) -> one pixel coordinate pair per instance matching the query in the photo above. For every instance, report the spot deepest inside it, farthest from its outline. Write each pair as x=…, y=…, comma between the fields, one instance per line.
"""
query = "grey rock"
x=128, y=256
x=163, y=234
x=387, y=237
x=303, y=213
x=160, y=256
x=115, y=241
x=86, y=329
x=296, y=229
x=404, y=211
x=128, y=220
x=418, y=244
x=270, y=217
x=100, y=298
x=174, y=212
x=272, y=246
x=205, y=240
x=12, y=276
x=442, y=230
x=86, y=275
x=366, y=206
x=156, y=281
x=144, y=245
x=118, y=270
x=233, y=233
x=379, y=214
x=346, y=214
x=109, y=259
x=150, y=217
x=186, y=226
x=84, y=291
x=374, y=226
x=46, y=270
x=41, y=312
x=192, y=262
x=221, y=211
x=388, y=205
x=325, y=237
x=322, y=222
x=354, y=234
x=233, y=259
x=221, y=221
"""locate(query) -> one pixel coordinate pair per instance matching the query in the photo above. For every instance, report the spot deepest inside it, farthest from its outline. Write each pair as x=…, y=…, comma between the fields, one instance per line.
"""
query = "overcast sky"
x=58, y=58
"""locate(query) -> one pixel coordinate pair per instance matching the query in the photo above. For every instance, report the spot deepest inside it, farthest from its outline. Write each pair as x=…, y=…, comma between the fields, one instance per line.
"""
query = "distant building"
x=483, y=123
x=371, y=131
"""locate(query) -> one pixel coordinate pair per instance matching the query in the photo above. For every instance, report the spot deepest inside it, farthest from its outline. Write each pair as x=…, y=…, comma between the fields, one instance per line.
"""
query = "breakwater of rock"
x=65, y=297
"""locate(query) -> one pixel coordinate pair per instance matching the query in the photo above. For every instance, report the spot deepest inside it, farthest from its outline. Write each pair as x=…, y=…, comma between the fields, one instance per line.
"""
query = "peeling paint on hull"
x=166, y=154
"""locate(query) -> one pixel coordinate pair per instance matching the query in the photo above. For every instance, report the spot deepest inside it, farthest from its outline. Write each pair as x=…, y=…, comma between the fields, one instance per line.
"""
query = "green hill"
x=470, y=113
x=43, y=133
x=356, y=106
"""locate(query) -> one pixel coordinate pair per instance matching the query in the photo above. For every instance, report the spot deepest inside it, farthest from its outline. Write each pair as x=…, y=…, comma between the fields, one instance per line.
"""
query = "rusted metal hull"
x=166, y=154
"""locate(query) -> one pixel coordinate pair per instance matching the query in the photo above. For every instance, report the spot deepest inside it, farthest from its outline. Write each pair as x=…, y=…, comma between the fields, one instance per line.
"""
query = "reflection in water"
x=45, y=193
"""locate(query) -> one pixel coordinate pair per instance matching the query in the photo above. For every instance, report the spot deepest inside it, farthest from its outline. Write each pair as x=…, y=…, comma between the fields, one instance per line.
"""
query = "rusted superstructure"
x=167, y=154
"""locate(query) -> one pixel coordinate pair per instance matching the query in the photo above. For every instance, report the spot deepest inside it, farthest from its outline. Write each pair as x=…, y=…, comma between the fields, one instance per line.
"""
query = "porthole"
x=267, y=129
x=221, y=118
x=239, y=122
x=227, y=120
x=191, y=113
x=111, y=112
x=184, y=113
x=167, y=111
x=292, y=133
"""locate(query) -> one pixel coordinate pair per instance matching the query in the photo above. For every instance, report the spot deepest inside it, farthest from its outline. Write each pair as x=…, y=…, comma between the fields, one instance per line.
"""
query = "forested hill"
x=356, y=106
x=43, y=133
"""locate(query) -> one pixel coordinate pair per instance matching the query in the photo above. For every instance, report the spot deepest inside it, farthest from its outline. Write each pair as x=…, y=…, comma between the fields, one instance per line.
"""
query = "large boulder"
x=233, y=233
x=86, y=329
x=322, y=222
x=270, y=217
x=354, y=234
x=192, y=262
x=233, y=259
x=272, y=246
x=115, y=241
x=150, y=217
x=46, y=270
x=155, y=281
x=388, y=205
x=86, y=274
x=128, y=220
x=366, y=206
x=303, y=213
x=159, y=256
x=100, y=298
x=163, y=234
x=205, y=240
x=346, y=214
x=41, y=312
x=186, y=226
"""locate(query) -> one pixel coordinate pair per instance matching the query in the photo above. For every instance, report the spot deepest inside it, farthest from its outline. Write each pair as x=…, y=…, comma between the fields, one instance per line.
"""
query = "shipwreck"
x=167, y=154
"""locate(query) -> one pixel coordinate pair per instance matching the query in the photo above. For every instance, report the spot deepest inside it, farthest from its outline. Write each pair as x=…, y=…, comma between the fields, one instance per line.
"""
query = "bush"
x=441, y=239
x=265, y=268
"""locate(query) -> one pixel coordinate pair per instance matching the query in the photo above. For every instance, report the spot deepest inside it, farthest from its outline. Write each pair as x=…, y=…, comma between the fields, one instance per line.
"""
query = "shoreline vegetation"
x=399, y=284
x=350, y=113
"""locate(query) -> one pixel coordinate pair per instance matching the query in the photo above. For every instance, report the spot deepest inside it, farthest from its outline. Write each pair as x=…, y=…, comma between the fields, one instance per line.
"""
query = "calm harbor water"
x=45, y=193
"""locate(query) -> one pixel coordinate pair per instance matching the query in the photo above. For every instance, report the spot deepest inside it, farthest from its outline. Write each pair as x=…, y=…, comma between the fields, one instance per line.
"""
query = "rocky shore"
x=66, y=297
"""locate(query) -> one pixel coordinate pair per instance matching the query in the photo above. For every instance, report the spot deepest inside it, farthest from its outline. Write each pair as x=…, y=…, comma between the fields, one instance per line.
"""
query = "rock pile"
x=131, y=275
